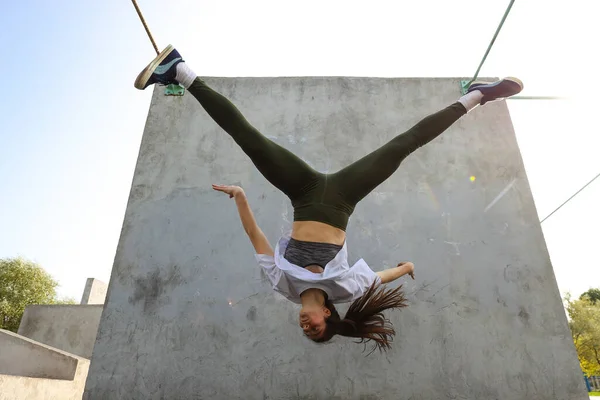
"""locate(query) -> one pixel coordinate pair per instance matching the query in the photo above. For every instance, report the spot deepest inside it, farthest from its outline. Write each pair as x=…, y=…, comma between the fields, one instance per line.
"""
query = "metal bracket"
x=174, y=90
x=464, y=86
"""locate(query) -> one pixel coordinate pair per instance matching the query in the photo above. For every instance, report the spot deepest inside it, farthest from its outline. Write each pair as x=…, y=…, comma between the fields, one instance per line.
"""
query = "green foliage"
x=584, y=322
x=592, y=294
x=22, y=283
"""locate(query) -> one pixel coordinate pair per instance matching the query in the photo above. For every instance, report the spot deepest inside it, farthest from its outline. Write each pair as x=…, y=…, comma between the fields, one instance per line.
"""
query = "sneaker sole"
x=144, y=76
x=499, y=90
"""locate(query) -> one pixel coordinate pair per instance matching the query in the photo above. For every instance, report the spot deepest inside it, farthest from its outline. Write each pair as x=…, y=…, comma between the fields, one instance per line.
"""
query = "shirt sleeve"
x=364, y=277
x=279, y=281
x=267, y=263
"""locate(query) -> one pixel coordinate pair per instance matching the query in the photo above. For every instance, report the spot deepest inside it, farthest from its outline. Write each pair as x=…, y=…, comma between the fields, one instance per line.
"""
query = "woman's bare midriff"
x=313, y=231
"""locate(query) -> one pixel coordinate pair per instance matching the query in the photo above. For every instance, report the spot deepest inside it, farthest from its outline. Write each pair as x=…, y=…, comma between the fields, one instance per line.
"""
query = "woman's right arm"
x=256, y=235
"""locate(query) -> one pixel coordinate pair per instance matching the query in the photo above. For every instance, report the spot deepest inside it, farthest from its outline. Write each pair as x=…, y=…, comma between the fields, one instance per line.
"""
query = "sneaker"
x=501, y=89
x=161, y=70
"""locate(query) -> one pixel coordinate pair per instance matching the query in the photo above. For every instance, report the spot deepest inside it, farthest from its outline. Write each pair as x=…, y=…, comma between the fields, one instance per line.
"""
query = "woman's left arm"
x=391, y=274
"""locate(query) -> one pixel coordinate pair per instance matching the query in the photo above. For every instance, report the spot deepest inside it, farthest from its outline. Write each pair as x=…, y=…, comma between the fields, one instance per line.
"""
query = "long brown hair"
x=365, y=319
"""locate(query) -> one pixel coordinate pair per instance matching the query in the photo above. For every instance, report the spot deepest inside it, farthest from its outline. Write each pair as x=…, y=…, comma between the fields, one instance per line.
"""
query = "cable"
x=145, y=25
x=492, y=42
x=569, y=199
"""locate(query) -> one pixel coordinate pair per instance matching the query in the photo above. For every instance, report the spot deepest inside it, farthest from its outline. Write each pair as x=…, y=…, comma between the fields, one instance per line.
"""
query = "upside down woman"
x=310, y=266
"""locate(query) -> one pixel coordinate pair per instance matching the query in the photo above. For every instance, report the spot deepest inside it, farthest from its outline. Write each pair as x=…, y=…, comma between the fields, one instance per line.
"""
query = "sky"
x=72, y=122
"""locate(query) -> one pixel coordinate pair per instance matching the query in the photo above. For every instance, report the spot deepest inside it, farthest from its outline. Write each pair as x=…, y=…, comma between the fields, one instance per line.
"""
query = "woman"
x=310, y=266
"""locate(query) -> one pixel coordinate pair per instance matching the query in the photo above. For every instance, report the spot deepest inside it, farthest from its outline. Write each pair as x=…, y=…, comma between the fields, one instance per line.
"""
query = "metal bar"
x=492, y=42
x=569, y=199
x=536, y=98
x=145, y=26
x=587, y=383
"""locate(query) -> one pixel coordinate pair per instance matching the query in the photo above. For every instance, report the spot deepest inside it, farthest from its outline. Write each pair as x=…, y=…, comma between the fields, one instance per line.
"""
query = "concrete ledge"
x=24, y=357
x=24, y=388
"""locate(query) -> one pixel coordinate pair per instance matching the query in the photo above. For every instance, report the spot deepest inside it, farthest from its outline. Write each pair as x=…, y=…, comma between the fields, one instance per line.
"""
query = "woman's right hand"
x=232, y=191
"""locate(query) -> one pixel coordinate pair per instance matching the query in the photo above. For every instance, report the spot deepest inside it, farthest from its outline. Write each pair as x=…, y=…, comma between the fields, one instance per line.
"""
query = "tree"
x=584, y=322
x=592, y=294
x=22, y=283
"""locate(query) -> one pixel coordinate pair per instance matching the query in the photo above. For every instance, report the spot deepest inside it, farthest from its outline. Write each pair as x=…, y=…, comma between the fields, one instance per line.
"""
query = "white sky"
x=65, y=211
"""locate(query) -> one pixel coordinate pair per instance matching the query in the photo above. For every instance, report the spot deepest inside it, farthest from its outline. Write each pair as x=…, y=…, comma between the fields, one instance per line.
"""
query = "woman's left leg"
x=357, y=180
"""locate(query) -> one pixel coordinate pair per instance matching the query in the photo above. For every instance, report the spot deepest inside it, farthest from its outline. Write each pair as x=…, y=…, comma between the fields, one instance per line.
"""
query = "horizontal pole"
x=537, y=98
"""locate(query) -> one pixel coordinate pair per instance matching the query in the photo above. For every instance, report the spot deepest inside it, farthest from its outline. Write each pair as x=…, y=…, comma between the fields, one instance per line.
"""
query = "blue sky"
x=72, y=121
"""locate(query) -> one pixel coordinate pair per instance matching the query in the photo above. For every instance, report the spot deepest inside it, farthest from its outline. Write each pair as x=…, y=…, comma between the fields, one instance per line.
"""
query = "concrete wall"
x=188, y=314
x=21, y=356
x=94, y=292
x=71, y=328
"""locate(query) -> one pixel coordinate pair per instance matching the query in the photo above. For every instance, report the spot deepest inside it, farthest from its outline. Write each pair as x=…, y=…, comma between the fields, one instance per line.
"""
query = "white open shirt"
x=341, y=283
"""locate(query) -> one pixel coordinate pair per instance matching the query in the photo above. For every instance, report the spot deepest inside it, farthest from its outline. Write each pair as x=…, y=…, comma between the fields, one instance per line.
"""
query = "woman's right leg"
x=278, y=165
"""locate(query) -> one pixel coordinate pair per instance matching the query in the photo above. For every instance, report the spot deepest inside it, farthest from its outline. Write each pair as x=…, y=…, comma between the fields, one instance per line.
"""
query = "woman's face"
x=312, y=321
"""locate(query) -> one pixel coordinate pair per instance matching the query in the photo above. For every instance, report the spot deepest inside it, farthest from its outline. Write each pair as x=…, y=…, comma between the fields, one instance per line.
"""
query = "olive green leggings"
x=327, y=198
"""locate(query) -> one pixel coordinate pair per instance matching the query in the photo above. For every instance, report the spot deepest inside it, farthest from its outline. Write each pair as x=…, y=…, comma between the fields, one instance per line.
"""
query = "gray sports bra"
x=303, y=253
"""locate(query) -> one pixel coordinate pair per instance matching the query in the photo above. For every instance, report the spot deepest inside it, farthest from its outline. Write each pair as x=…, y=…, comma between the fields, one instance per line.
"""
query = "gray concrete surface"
x=24, y=388
x=94, y=292
x=14, y=387
x=188, y=314
x=71, y=328
x=21, y=356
